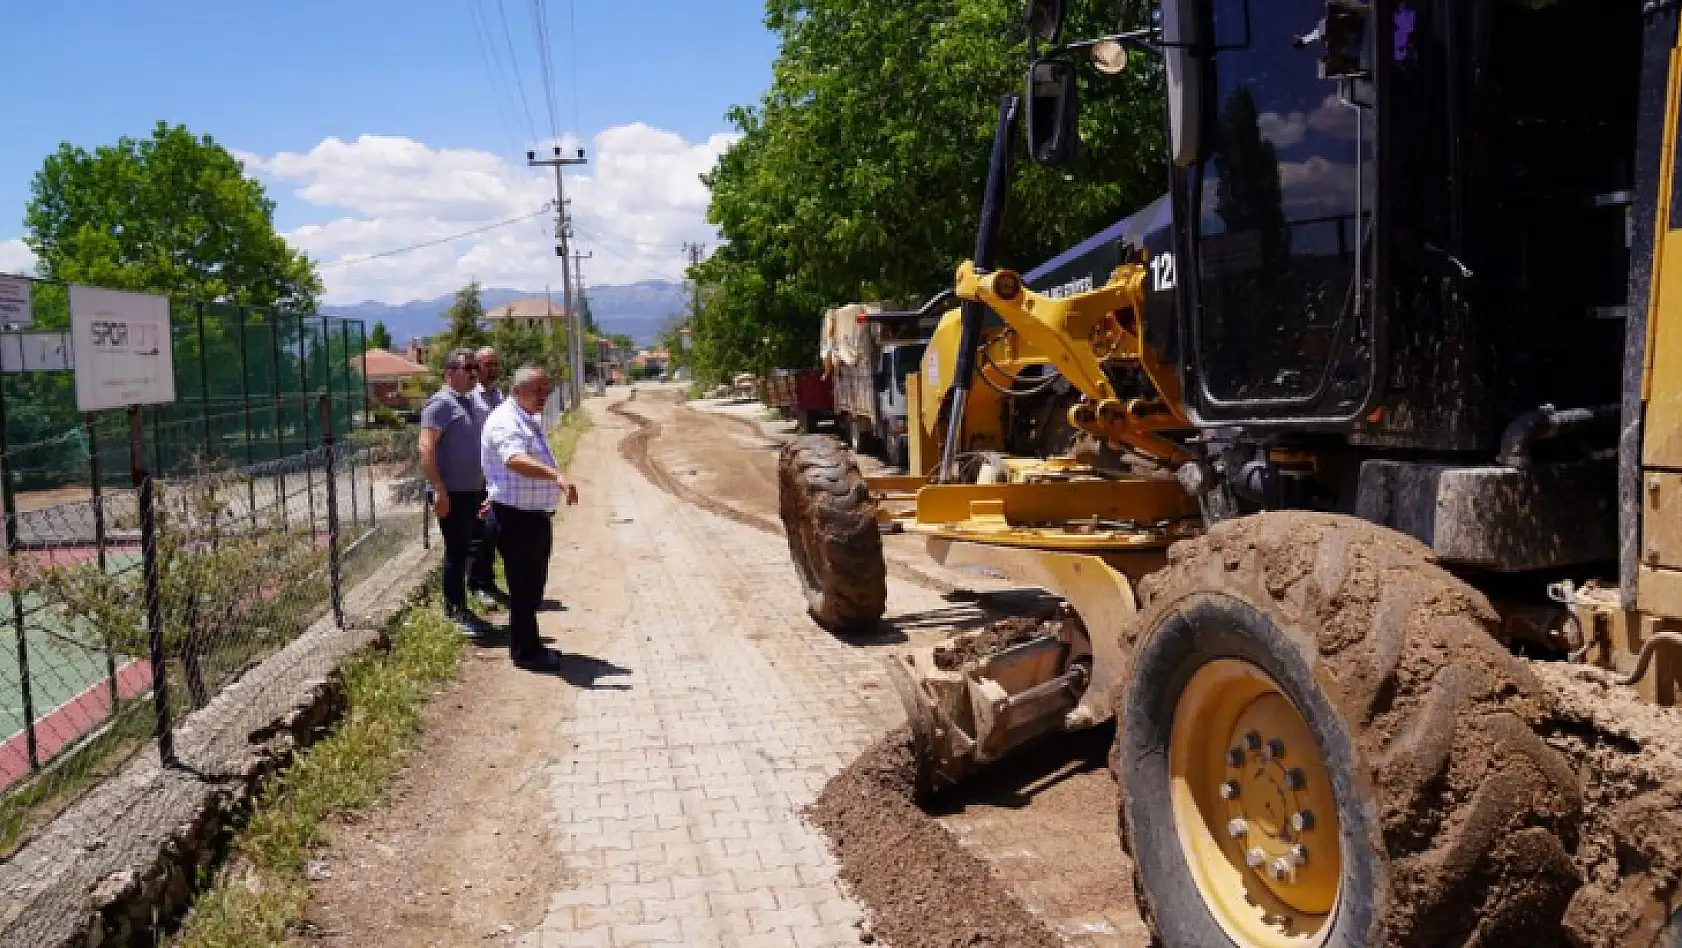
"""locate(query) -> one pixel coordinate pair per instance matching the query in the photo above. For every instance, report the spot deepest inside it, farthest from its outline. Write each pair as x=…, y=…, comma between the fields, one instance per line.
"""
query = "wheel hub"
x=1253, y=808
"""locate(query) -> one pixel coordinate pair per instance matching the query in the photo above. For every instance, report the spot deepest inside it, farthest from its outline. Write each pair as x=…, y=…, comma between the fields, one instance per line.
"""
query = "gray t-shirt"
x=485, y=401
x=458, y=422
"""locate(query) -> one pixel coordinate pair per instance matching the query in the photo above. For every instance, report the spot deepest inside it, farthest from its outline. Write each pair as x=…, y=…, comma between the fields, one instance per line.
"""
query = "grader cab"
x=1407, y=347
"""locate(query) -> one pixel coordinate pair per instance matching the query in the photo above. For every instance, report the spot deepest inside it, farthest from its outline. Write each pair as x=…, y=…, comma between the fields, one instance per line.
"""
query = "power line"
x=433, y=243
x=545, y=60
x=514, y=61
x=572, y=42
x=493, y=69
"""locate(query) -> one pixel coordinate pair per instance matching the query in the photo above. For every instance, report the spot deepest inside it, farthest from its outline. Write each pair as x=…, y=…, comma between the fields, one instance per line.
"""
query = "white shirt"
x=509, y=431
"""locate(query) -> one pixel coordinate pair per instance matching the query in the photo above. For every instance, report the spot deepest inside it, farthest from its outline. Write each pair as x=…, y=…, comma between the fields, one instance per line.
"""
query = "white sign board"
x=35, y=352
x=122, y=349
x=16, y=308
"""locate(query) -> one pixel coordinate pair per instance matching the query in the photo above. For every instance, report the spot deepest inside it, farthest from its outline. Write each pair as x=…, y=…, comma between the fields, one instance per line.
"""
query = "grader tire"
x=830, y=520
x=1439, y=816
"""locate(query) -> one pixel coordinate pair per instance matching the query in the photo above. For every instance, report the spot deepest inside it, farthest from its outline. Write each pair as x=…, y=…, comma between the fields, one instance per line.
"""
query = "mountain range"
x=639, y=310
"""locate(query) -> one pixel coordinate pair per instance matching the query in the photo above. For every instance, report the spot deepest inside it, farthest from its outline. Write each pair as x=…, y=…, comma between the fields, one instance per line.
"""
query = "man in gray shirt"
x=481, y=571
x=449, y=451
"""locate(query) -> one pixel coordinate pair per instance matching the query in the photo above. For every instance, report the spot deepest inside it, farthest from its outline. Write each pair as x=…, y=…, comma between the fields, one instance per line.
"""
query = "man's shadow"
x=587, y=671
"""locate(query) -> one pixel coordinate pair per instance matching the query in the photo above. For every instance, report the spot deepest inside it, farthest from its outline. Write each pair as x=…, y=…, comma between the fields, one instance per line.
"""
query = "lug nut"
x=1236, y=828
x=1229, y=789
x=1299, y=854
x=1295, y=779
x=1280, y=869
x=1255, y=857
x=1302, y=820
x=1252, y=740
x=1275, y=749
x=1235, y=757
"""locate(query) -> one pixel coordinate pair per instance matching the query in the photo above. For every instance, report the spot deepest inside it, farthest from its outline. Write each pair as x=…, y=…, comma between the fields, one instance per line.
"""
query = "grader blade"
x=978, y=695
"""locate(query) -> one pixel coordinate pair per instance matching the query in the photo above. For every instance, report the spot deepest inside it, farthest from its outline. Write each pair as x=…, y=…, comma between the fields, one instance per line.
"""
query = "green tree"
x=379, y=337
x=173, y=214
x=585, y=314
x=858, y=176
x=461, y=326
x=519, y=344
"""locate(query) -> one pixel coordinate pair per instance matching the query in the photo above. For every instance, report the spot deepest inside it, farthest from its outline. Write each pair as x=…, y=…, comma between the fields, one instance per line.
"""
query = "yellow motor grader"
x=1409, y=339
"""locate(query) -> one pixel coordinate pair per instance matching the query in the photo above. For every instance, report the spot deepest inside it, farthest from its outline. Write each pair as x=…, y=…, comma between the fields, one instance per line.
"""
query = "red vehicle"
x=802, y=394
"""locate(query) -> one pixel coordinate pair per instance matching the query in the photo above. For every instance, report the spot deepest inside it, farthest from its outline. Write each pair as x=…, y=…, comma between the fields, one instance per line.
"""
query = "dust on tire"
x=1474, y=817
x=829, y=518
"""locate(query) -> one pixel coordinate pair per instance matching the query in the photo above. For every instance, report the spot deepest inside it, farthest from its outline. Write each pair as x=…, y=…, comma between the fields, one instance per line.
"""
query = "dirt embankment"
x=1628, y=757
x=924, y=890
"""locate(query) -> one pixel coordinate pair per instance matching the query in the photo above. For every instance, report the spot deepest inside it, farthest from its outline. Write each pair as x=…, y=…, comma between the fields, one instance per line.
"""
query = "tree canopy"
x=173, y=214
x=379, y=337
x=859, y=174
x=517, y=343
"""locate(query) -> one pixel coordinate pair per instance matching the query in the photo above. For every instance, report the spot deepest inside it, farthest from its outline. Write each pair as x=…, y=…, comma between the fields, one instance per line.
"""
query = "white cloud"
x=634, y=204
x=1282, y=130
x=1333, y=118
x=16, y=257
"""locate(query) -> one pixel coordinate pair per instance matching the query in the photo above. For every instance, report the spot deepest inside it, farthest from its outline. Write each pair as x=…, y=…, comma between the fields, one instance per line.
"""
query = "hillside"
x=639, y=310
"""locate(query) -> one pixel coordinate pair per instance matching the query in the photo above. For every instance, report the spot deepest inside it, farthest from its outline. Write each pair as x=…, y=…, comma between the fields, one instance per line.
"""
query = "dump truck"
x=1406, y=334
x=867, y=352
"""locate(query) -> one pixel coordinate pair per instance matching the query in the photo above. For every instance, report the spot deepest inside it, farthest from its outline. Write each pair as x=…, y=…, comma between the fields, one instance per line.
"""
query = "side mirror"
x=1182, y=32
x=1045, y=19
x=1052, y=111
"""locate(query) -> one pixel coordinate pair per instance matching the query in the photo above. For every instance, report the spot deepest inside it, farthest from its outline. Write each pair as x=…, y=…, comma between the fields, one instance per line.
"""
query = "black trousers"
x=524, y=538
x=457, y=527
x=481, y=571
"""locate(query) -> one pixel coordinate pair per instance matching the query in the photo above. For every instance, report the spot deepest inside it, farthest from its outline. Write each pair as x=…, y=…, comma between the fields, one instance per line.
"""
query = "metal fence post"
x=281, y=500
x=333, y=573
x=350, y=427
x=154, y=593
x=245, y=403
x=304, y=420
x=204, y=382
x=98, y=502
x=10, y=511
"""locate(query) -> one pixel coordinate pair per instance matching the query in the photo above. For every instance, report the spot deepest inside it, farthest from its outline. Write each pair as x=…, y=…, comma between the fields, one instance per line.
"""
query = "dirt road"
x=654, y=792
x=1032, y=823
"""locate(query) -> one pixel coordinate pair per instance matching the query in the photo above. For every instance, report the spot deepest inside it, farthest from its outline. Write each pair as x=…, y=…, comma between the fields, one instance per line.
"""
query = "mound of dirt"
x=1629, y=850
x=922, y=888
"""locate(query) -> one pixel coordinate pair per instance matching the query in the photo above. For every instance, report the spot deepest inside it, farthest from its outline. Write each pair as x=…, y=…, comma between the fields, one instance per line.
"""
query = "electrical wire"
x=514, y=62
x=545, y=60
x=395, y=251
x=572, y=42
x=494, y=71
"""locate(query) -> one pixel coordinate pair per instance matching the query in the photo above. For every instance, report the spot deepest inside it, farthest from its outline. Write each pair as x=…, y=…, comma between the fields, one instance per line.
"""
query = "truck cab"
x=893, y=364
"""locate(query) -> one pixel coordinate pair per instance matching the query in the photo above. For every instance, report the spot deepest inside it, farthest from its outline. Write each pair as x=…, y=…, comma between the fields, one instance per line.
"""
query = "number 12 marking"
x=1162, y=272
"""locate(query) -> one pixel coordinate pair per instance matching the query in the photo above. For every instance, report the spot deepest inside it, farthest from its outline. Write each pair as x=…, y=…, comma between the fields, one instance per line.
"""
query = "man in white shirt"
x=525, y=486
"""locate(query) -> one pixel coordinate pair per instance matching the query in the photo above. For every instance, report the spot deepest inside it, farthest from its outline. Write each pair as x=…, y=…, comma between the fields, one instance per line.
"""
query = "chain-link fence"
x=157, y=555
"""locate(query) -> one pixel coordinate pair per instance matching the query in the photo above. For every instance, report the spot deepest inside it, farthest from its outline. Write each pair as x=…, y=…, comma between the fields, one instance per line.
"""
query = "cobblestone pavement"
x=714, y=714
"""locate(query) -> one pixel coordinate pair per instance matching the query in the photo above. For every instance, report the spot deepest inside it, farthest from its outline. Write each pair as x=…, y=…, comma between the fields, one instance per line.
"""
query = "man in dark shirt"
x=449, y=450
x=481, y=569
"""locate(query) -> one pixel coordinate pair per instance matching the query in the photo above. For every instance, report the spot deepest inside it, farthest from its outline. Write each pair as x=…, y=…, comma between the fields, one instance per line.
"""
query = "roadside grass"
x=265, y=889
x=563, y=439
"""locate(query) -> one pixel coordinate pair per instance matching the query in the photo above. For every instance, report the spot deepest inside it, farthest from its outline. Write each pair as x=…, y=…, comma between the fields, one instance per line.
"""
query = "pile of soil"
x=1629, y=849
x=922, y=888
x=965, y=647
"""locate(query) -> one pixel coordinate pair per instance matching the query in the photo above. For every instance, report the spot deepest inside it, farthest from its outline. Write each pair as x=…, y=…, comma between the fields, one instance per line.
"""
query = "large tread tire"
x=830, y=520
x=1457, y=819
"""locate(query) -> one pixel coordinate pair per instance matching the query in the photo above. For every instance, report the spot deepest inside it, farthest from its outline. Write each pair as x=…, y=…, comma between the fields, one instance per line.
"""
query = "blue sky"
x=401, y=84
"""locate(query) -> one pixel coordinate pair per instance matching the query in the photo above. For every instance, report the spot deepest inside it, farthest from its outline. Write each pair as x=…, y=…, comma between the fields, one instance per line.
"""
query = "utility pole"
x=694, y=252
x=563, y=230
x=578, y=281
